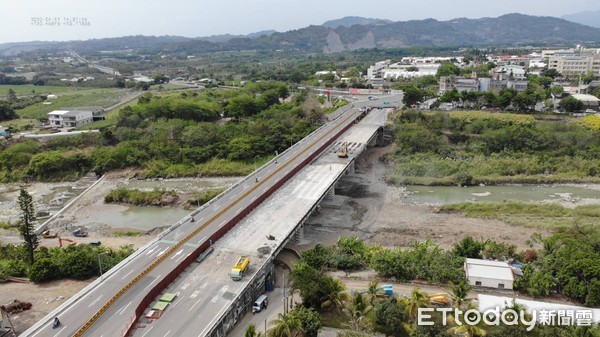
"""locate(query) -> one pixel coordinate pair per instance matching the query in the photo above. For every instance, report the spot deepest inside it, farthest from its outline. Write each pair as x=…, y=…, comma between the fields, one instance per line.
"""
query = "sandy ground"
x=364, y=206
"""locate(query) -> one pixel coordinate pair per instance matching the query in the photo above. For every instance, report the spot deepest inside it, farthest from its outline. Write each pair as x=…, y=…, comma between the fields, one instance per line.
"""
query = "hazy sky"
x=27, y=20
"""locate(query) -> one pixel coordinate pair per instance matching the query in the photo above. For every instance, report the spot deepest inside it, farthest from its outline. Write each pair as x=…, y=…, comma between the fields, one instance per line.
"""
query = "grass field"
x=81, y=98
x=551, y=216
x=26, y=89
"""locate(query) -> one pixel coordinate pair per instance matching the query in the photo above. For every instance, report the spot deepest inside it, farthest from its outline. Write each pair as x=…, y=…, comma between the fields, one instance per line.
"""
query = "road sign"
x=386, y=103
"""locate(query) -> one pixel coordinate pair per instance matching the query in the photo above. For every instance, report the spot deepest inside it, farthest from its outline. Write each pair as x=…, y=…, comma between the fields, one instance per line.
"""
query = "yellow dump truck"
x=240, y=268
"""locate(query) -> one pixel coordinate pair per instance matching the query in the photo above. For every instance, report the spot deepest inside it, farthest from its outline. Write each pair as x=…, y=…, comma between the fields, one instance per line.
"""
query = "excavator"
x=47, y=235
x=61, y=240
x=343, y=151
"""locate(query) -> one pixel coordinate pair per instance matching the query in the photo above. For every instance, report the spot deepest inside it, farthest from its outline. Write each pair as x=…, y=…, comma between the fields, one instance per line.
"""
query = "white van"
x=260, y=304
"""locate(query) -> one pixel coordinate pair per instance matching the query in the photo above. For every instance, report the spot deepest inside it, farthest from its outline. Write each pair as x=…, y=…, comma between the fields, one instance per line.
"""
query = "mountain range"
x=352, y=33
x=589, y=18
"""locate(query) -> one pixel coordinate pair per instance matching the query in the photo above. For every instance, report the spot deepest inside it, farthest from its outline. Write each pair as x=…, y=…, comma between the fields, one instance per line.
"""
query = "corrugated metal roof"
x=488, y=269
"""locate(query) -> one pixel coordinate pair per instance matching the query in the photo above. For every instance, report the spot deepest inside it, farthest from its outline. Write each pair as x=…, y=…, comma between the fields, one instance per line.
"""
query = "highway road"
x=186, y=238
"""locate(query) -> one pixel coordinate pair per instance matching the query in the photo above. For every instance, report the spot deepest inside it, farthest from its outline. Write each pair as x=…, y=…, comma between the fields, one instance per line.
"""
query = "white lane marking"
x=233, y=196
x=58, y=333
x=161, y=252
x=123, y=310
x=152, y=281
x=151, y=250
x=270, y=170
x=167, y=333
x=178, y=235
x=222, y=224
x=95, y=301
x=198, y=301
x=238, y=211
x=201, y=240
x=253, y=198
x=174, y=256
x=127, y=274
x=195, y=294
x=147, y=331
x=266, y=188
x=184, y=287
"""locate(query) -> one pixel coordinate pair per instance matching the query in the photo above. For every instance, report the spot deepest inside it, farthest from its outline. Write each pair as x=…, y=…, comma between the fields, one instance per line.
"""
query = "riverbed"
x=566, y=195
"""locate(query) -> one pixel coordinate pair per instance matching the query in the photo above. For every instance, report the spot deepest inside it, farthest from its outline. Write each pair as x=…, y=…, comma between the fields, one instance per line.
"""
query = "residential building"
x=575, y=65
x=490, y=274
x=70, y=118
x=590, y=102
x=375, y=71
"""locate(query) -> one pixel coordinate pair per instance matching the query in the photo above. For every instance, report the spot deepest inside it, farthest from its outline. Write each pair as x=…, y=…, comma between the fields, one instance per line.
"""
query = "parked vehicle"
x=240, y=267
x=260, y=304
x=80, y=233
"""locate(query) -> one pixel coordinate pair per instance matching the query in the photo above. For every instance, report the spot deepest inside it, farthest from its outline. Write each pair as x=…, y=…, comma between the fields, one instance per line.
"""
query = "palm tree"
x=285, y=326
x=357, y=309
x=459, y=293
x=468, y=330
x=335, y=294
x=417, y=299
x=374, y=292
x=251, y=331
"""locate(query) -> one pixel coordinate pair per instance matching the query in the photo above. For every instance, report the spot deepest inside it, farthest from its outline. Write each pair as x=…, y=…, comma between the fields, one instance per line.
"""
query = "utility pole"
x=284, y=296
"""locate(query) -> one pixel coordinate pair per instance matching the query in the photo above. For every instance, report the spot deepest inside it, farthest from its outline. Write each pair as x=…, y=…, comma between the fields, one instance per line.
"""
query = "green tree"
x=317, y=257
x=44, y=270
x=27, y=229
x=390, y=318
x=447, y=69
x=469, y=247
x=310, y=320
x=252, y=332
x=334, y=293
x=571, y=104
x=412, y=95
x=460, y=293
x=285, y=326
x=12, y=96
x=417, y=299
x=357, y=309
x=374, y=292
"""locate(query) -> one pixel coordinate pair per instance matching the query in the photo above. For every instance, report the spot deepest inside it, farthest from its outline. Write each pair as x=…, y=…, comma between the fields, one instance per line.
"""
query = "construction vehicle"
x=240, y=268
x=47, y=235
x=441, y=298
x=80, y=233
x=343, y=151
x=61, y=240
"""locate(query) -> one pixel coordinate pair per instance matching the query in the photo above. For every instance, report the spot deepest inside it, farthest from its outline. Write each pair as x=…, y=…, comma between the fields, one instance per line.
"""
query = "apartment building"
x=575, y=65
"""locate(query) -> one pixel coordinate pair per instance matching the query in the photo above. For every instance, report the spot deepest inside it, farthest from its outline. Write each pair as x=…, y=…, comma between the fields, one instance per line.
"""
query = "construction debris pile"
x=15, y=306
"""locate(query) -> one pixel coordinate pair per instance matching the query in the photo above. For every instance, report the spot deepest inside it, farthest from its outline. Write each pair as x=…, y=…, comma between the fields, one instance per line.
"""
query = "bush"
x=44, y=270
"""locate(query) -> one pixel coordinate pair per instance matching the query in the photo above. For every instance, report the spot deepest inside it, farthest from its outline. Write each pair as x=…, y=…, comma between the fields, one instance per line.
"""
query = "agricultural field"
x=80, y=98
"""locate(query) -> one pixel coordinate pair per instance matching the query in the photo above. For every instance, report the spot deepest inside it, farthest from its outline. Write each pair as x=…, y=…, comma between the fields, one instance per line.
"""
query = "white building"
x=491, y=274
x=70, y=118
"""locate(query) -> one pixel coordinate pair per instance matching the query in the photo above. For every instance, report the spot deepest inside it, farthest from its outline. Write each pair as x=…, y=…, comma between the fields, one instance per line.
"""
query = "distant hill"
x=349, y=21
x=227, y=37
x=589, y=18
x=510, y=29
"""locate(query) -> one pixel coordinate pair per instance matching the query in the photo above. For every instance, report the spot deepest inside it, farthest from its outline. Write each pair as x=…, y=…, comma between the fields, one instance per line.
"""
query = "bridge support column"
x=298, y=236
x=350, y=169
x=330, y=194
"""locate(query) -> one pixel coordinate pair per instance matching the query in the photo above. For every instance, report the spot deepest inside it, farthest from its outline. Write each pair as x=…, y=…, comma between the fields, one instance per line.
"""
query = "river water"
x=575, y=194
